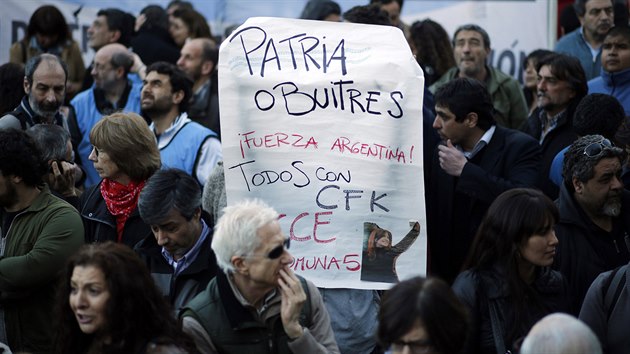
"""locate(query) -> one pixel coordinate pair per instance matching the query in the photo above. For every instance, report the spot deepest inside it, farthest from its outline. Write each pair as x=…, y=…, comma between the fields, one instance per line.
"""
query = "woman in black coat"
x=508, y=285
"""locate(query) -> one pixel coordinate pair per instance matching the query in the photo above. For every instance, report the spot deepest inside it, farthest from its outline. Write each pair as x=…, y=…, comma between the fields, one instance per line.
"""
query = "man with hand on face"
x=179, y=257
x=45, y=78
x=596, y=19
x=257, y=304
x=471, y=48
x=478, y=161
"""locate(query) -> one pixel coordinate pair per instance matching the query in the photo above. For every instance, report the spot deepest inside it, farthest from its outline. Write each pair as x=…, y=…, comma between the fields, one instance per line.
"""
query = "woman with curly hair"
x=107, y=303
x=432, y=47
x=509, y=285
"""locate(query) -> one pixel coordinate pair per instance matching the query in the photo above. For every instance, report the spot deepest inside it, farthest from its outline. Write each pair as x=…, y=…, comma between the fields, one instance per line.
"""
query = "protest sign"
x=323, y=121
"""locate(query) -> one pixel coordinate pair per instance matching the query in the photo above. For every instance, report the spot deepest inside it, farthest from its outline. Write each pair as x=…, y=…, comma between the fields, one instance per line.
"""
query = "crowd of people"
x=116, y=236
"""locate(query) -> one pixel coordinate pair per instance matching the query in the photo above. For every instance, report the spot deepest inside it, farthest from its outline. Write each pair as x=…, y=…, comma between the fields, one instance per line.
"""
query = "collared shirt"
x=549, y=123
x=267, y=301
x=190, y=256
x=485, y=140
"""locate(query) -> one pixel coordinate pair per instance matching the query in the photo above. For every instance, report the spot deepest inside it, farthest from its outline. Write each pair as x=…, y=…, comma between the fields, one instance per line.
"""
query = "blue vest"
x=183, y=150
x=87, y=116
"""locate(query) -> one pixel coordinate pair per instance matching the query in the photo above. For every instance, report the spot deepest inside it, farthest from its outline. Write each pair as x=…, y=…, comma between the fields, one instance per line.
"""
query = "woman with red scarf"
x=125, y=155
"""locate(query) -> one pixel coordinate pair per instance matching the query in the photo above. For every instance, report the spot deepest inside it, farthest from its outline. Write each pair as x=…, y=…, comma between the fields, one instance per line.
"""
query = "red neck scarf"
x=121, y=200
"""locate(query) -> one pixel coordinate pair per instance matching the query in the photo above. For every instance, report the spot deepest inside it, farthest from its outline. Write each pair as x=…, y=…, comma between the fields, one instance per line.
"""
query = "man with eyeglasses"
x=111, y=92
x=179, y=256
x=257, y=304
x=594, y=224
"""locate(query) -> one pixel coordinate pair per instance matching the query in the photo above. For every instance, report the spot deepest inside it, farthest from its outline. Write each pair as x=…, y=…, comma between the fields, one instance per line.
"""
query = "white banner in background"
x=323, y=121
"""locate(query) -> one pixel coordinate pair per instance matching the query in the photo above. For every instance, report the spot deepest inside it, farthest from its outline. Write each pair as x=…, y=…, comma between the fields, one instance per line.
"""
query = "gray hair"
x=33, y=63
x=167, y=190
x=51, y=140
x=475, y=28
x=581, y=166
x=561, y=334
x=236, y=233
x=122, y=60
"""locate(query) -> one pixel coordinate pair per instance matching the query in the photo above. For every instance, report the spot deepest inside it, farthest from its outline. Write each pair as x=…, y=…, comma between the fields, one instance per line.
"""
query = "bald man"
x=111, y=92
x=561, y=334
x=199, y=58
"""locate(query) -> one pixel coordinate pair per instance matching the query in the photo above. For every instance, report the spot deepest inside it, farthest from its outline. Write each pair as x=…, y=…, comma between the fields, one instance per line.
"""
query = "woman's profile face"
x=105, y=166
x=531, y=76
x=539, y=249
x=179, y=30
x=89, y=295
x=415, y=341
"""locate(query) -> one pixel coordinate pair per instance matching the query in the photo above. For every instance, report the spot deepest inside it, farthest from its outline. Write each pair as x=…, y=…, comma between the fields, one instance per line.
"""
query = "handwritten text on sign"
x=323, y=122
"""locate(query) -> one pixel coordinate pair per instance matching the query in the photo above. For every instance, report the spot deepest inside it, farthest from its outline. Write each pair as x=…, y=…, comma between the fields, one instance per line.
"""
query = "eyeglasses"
x=596, y=149
x=422, y=346
x=276, y=252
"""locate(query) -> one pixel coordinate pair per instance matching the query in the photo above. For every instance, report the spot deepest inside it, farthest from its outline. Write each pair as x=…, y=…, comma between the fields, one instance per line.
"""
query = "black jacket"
x=181, y=288
x=100, y=225
x=557, y=139
x=456, y=206
x=584, y=250
x=479, y=290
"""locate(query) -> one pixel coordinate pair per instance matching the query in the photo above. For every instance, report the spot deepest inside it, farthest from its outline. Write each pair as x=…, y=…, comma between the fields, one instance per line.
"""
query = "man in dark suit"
x=476, y=162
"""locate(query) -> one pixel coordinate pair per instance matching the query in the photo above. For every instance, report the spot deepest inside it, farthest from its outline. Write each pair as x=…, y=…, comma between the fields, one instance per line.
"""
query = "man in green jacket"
x=471, y=47
x=38, y=233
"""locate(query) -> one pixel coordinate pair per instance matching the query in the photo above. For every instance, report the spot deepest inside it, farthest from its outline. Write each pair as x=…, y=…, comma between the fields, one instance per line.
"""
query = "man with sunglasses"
x=179, y=257
x=257, y=304
x=594, y=214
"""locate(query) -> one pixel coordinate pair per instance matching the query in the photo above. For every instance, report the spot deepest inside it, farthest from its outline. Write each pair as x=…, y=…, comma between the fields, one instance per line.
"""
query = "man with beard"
x=561, y=87
x=183, y=144
x=199, y=58
x=45, y=79
x=594, y=214
x=37, y=234
x=112, y=91
x=596, y=18
x=471, y=48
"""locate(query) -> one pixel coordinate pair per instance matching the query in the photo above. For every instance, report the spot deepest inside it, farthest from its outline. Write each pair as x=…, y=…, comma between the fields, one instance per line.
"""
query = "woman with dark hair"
x=186, y=24
x=530, y=77
x=107, y=302
x=48, y=32
x=152, y=41
x=509, y=284
x=125, y=155
x=380, y=255
x=423, y=315
x=432, y=47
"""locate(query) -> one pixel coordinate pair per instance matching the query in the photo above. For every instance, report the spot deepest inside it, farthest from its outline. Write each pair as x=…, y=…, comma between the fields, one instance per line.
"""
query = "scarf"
x=121, y=200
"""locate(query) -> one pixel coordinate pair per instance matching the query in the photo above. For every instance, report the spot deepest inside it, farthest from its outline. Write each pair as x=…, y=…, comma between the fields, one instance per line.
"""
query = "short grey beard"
x=612, y=209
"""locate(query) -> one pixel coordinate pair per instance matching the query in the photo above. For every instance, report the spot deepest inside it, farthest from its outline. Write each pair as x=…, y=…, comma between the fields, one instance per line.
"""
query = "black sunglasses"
x=596, y=149
x=276, y=252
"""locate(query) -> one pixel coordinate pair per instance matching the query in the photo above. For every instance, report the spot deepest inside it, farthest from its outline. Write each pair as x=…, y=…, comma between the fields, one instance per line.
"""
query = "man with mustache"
x=112, y=91
x=471, y=48
x=615, y=77
x=183, y=143
x=594, y=214
x=45, y=78
x=561, y=87
x=596, y=18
